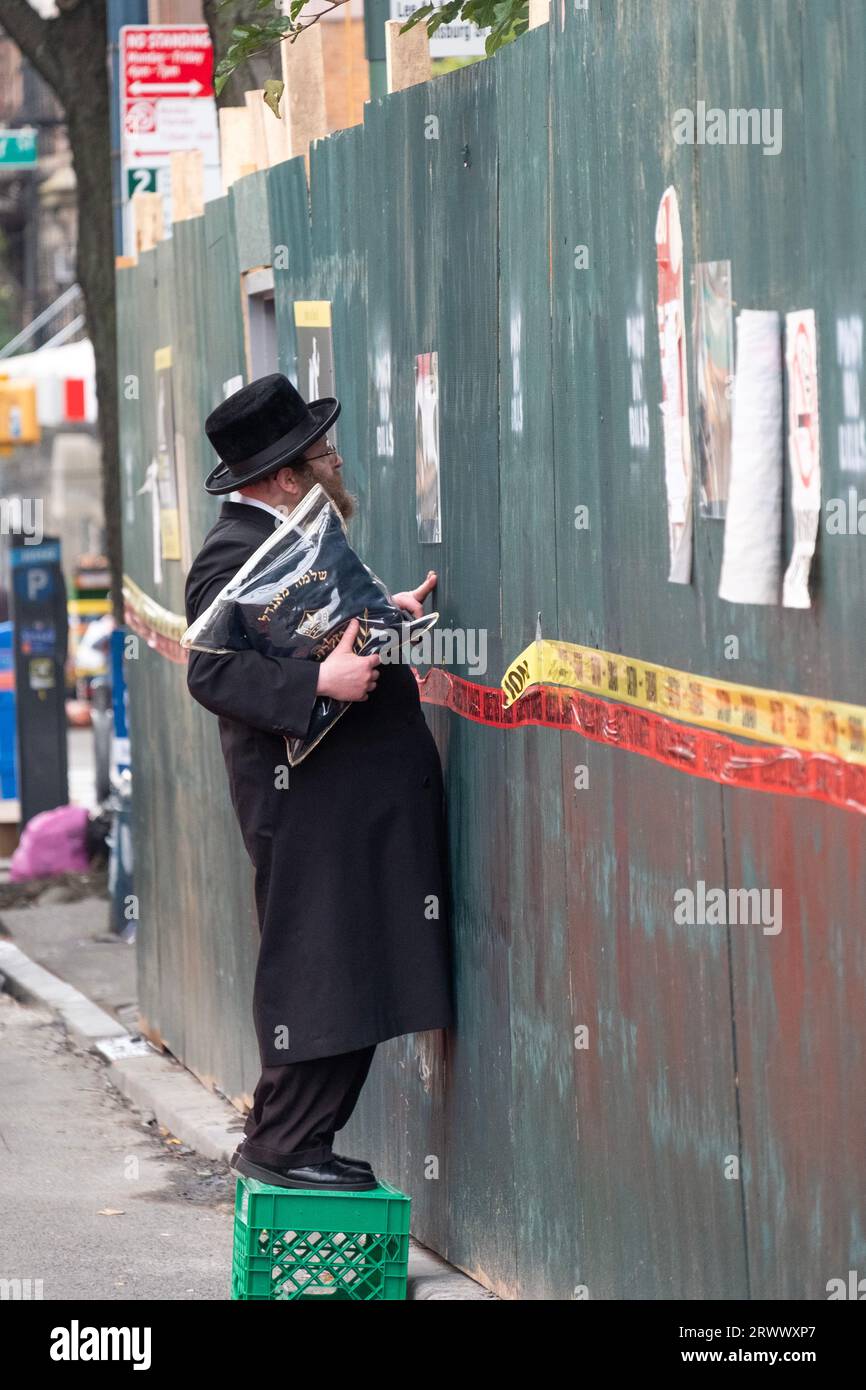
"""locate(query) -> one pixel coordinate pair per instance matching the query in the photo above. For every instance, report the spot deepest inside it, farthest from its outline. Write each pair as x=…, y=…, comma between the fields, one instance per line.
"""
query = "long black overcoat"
x=350, y=859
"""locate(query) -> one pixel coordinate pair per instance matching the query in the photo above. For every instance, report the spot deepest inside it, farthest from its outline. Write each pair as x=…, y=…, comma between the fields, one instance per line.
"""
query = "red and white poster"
x=675, y=393
x=166, y=104
x=804, y=452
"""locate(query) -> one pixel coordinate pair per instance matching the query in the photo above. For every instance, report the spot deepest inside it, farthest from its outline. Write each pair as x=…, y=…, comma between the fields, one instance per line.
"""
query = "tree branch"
x=35, y=36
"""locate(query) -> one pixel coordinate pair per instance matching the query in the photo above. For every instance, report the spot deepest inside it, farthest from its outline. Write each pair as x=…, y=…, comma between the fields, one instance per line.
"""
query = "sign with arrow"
x=167, y=104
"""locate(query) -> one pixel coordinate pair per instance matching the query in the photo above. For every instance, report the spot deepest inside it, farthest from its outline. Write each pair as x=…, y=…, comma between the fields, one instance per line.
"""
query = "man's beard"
x=344, y=501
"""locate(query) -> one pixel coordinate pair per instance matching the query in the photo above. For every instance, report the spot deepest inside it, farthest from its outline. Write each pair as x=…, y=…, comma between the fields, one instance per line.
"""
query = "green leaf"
x=273, y=92
x=416, y=17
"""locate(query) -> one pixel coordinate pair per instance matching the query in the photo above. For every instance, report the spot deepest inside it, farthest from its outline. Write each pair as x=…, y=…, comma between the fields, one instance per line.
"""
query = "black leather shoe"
x=330, y=1176
x=355, y=1162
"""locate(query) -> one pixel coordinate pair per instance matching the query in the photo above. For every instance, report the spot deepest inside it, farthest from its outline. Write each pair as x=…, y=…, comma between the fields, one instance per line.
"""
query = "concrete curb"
x=29, y=981
x=155, y=1082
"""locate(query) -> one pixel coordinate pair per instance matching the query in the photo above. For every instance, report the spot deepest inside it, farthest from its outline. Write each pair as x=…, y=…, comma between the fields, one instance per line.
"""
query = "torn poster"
x=151, y=486
x=166, y=457
x=315, y=352
x=751, y=560
x=713, y=340
x=804, y=452
x=675, y=395
x=428, y=503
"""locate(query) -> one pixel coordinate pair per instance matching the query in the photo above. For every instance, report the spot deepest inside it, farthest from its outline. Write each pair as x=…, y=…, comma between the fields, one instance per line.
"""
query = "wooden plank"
x=257, y=111
x=303, y=104
x=800, y=994
x=549, y=1193
x=276, y=132
x=252, y=232
x=147, y=213
x=292, y=252
x=407, y=56
x=656, y=1086
x=235, y=144
x=187, y=184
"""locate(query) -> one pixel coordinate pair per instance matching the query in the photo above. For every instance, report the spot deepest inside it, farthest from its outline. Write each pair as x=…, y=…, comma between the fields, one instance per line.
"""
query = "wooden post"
x=147, y=217
x=303, y=103
x=407, y=56
x=539, y=13
x=276, y=133
x=257, y=112
x=187, y=184
x=235, y=141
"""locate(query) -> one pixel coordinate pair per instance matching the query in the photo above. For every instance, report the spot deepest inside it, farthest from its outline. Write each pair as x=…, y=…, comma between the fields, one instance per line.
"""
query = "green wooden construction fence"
x=627, y=1108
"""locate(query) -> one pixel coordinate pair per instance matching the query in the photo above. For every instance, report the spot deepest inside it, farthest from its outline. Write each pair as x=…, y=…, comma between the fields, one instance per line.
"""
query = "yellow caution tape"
x=147, y=610
x=769, y=716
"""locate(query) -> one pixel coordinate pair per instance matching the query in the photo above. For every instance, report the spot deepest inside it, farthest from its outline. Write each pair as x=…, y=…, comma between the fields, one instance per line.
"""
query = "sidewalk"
x=61, y=955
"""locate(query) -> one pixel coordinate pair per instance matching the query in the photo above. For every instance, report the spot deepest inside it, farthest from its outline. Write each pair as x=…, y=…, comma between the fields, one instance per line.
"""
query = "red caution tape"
x=698, y=752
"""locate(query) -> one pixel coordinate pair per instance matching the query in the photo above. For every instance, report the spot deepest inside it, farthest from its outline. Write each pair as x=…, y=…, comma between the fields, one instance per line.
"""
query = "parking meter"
x=41, y=635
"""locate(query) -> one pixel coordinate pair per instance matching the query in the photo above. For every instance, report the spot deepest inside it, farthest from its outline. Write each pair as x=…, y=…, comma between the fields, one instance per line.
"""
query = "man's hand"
x=345, y=676
x=412, y=601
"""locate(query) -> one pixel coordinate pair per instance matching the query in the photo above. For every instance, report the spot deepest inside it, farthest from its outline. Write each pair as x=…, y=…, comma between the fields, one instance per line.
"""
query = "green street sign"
x=140, y=180
x=17, y=149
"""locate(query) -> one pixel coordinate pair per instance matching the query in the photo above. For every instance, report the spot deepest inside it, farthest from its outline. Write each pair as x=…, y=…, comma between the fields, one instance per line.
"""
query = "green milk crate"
x=304, y=1243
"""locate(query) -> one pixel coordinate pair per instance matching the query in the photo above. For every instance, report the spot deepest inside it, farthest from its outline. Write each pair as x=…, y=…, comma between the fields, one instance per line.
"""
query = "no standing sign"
x=167, y=104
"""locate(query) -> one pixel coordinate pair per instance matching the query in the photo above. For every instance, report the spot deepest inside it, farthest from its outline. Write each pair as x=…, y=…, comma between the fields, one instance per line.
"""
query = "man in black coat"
x=348, y=846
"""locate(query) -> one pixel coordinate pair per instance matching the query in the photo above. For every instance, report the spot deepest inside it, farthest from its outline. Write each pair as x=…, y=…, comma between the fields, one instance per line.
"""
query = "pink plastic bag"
x=54, y=842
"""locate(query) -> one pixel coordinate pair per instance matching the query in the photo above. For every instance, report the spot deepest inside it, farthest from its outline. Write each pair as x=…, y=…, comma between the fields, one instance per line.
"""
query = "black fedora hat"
x=261, y=428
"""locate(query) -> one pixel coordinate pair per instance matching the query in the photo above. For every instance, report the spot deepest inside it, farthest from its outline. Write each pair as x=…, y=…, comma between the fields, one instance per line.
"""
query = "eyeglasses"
x=329, y=452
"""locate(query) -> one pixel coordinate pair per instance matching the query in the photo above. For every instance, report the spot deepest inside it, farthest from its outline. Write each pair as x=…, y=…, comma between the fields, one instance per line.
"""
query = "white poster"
x=804, y=452
x=751, y=561
x=675, y=393
x=428, y=505
x=713, y=336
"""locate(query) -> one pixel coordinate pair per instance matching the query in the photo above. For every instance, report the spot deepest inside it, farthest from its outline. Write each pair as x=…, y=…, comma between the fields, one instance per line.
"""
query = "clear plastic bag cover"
x=293, y=599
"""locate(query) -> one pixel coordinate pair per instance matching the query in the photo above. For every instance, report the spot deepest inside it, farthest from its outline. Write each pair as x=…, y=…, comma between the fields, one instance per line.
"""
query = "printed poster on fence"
x=713, y=345
x=166, y=458
x=804, y=452
x=427, y=492
x=315, y=352
x=675, y=394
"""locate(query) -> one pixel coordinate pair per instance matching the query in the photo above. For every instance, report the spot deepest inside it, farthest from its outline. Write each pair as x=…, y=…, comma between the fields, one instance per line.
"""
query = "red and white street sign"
x=166, y=60
x=166, y=104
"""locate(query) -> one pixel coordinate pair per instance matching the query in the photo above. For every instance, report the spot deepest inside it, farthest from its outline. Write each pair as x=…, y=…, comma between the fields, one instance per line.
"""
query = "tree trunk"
x=70, y=52
x=89, y=124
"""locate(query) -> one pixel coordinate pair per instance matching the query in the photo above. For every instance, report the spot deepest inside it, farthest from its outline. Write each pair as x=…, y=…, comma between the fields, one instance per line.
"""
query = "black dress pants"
x=297, y=1108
